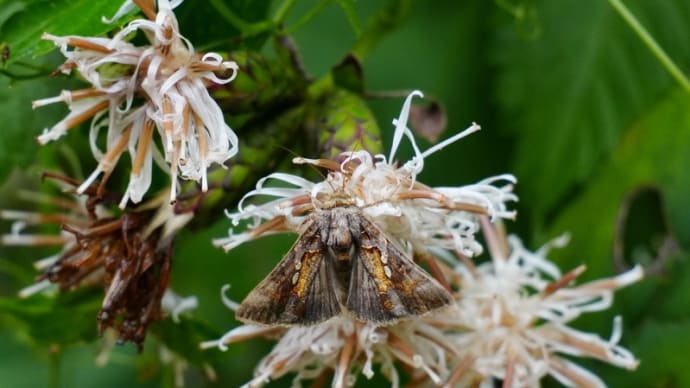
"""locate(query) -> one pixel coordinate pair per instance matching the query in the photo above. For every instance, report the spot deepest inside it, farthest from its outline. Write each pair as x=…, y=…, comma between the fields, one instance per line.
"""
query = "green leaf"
x=342, y=121
x=348, y=74
x=662, y=349
x=21, y=124
x=673, y=293
x=379, y=25
x=218, y=24
x=184, y=338
x=654, y=152
x=60, y=17
x=570, y=92
x=67, y=318
x=10, y=8
x=263, y=87
x=350, y=10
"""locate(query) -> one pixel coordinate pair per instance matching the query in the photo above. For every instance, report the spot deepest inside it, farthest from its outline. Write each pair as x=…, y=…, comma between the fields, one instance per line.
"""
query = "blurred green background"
x=569, y=99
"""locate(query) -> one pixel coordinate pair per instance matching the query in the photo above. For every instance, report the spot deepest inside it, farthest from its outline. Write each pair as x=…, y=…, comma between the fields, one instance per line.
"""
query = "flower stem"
x=54, y=368
x=246, y=28
x=649, y=41
x=307, y=17
x=381, y=24
x=282, y=10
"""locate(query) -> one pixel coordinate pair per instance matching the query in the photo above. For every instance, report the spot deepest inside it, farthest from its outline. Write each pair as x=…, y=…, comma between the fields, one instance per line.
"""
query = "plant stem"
x=307, y=17
x=247, y=29
x=54, y=376
x=381, y=24
x=279, y=16
x=649, y=41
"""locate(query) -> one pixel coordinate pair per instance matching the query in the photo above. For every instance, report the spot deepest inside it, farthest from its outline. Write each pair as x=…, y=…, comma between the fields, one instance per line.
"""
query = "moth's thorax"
x=340, y=228
x=331, y=200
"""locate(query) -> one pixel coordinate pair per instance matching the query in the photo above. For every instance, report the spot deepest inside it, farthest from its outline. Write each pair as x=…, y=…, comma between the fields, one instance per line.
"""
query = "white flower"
x=513, y=315
x=175, y=305
x=170, y=79
x=509, y=322
x=415, y=214
x=346, y=347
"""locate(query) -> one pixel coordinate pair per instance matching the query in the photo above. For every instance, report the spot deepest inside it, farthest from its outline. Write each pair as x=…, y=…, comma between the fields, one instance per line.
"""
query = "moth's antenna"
x=357, y=144
x=328, y=164
x=297, y=158
x=289, y=151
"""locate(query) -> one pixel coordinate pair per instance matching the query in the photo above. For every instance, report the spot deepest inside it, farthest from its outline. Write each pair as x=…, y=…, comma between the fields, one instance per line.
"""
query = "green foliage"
x=343, y=122
x=51, y=321
x=17, y=145
x=651, y=153
x=570, y=100
x=571, y=91
x=350, y=10
x=21, y=25
x=666, y=344
x=184, y=337
x=23, y=29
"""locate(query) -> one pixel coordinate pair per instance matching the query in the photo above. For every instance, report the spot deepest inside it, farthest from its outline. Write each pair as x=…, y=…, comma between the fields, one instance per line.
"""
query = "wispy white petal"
x=168, y=78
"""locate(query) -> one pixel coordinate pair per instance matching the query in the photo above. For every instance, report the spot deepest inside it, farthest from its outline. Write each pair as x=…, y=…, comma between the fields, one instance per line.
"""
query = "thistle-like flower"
x=509, y=315
x=344, y=348
x=137, y=91
x=513, y=314
x=416, y=215
x=129, y=254
x=509, y=322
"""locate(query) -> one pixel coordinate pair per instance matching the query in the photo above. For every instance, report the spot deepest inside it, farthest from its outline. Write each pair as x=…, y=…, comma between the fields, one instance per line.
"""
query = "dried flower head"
x=418, y=216
x=137, y=91
x=175, y=361
x=129, y=254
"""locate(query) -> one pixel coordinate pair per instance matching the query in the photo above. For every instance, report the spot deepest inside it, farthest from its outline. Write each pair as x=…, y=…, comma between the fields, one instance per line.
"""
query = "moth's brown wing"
x=386, y=284
x=300, y=290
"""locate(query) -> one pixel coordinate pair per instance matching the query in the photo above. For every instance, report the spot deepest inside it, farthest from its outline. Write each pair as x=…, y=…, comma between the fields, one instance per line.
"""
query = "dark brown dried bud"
x=121, y=253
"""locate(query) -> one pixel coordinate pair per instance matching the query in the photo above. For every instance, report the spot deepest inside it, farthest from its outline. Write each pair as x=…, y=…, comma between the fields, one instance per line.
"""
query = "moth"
x=342, y=261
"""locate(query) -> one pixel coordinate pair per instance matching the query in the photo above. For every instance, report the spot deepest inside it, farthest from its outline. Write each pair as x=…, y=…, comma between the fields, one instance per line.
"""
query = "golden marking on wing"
x=379, y=273
x=408, y=286
x=309, y=261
